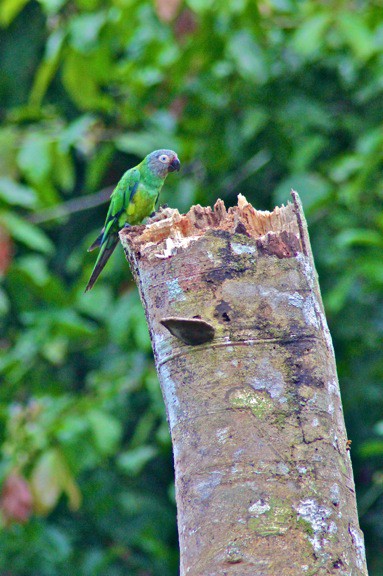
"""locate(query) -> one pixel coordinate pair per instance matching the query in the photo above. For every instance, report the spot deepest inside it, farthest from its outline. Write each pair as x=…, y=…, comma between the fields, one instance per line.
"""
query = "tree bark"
x=264, y=483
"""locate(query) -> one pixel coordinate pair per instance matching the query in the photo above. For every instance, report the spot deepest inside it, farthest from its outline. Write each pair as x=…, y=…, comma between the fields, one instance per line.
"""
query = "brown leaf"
x=185, y=24
x=6, y=251
x=167, y=9
x=16, y=499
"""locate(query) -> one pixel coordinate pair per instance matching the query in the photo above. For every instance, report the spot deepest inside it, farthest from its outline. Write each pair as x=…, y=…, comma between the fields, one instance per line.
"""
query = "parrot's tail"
x=97, y=243
x=104, y=255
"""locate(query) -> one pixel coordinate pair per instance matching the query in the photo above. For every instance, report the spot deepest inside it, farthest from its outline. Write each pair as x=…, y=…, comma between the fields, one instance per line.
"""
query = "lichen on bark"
x=264, y=482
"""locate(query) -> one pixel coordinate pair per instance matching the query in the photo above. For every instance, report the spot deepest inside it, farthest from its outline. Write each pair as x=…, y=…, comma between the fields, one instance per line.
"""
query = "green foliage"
x=256, y=97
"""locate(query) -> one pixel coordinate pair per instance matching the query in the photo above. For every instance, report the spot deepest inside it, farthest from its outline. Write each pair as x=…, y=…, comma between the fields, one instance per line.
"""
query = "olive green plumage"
x=133, y=199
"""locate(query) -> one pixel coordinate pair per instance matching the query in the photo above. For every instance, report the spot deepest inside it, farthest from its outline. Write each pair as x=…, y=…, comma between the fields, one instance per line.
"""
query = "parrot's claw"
x=126, y=225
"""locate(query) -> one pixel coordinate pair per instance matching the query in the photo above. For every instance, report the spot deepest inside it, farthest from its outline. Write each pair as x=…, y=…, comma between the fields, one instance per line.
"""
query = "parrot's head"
x=161, y=162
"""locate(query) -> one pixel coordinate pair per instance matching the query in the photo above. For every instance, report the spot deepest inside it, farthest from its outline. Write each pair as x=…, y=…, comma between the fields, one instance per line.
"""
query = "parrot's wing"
x=120, y=200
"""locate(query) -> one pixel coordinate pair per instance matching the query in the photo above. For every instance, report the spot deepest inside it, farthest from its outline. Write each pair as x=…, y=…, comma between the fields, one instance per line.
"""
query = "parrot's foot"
x=126, y=225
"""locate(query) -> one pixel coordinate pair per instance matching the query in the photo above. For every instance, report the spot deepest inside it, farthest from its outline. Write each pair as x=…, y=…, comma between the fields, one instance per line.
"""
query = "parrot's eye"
x=164, y=158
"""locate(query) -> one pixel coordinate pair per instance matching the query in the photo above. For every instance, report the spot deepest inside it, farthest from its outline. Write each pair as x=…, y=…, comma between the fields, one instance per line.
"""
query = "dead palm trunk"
x=264, y=483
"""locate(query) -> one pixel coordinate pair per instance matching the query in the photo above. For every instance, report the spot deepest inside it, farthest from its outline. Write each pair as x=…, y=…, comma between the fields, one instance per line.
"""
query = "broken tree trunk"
x=264, y=482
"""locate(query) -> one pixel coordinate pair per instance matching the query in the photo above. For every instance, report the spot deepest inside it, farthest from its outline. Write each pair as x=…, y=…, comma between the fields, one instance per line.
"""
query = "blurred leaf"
x=46, y=481
x=84, y=30
x=35, y=157
x=4, y=303
x=371, y=448
x=308, y=38
x=357, y=35
x=312, y=188
x=15, y=193
x=97, y=303
x=35, y=267
x=6, y=251
x=249, y=58
x=360, y=237
x=133, y=461
x=26, y=233
x=9, y=10
x=47, y=68
x=106, y=430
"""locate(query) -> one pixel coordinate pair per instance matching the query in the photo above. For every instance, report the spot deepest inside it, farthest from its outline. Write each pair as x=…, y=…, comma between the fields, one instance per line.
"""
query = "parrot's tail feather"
x=103, y=257
x=97, y=243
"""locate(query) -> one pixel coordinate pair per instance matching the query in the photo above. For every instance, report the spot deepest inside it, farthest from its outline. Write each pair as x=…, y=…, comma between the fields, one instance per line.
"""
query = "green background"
x=256, y=98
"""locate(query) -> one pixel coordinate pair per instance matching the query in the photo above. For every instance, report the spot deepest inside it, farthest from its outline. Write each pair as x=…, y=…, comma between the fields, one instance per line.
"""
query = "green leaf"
x=52, y=6
x=35, y=267
x=312, y=188
x=308, y=37
x=371, y=448
x=84, y=30
x=26, y=233
x=47, y=68
x=359, y=237
x=46, y=481
x=49, y=479
x=249, y=57
x=35, y=157
x=4, y=303
x=14, y=193
x=357, y=35
x=133, y=461
x=9, y=9
x=138, y=143
x=106, y=430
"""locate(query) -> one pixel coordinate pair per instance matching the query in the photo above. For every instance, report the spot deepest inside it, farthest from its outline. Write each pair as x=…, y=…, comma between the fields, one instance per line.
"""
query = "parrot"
x=133, y=199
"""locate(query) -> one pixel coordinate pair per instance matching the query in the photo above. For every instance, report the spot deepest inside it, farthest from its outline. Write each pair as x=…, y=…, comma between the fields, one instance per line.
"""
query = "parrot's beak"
x=174, y=165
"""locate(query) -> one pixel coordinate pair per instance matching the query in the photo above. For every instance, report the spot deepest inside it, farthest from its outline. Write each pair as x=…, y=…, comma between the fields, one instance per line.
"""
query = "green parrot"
x=133, y=199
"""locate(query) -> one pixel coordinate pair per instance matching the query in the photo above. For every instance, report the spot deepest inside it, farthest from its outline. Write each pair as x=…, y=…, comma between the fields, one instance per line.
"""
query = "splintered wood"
x=278, y=231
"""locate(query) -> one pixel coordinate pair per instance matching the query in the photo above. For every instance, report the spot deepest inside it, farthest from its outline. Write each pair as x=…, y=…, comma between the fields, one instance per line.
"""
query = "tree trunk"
x=264, y=484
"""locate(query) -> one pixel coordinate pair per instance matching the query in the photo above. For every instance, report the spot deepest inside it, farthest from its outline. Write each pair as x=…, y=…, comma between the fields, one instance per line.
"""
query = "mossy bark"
x=264, y=483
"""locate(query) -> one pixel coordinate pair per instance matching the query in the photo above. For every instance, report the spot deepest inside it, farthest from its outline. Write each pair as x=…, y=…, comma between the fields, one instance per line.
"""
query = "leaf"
x=371, y=448
x=26, y=233
x=308, y=37
x=14, y=193
x=77, y=132
x=46, y=481
x=106, y=430
x=356, y=34
x=9, y=9
x=97, y=303
x=167, y=9
x=35, y=267
x=359, y=237
x=249, y=57
x=312, y=188
x=70, y=323
x=35, y=157
x=49, y=479
x=4, y=303
x=6, y=251
x=84, y=30
x=47, y=68
x=16, y=499
x=63, y=169
x=133, y=461
x=52, y=6
x=136, y=143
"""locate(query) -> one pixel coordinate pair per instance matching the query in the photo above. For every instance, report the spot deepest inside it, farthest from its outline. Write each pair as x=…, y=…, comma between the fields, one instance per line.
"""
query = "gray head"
x=163, y=161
